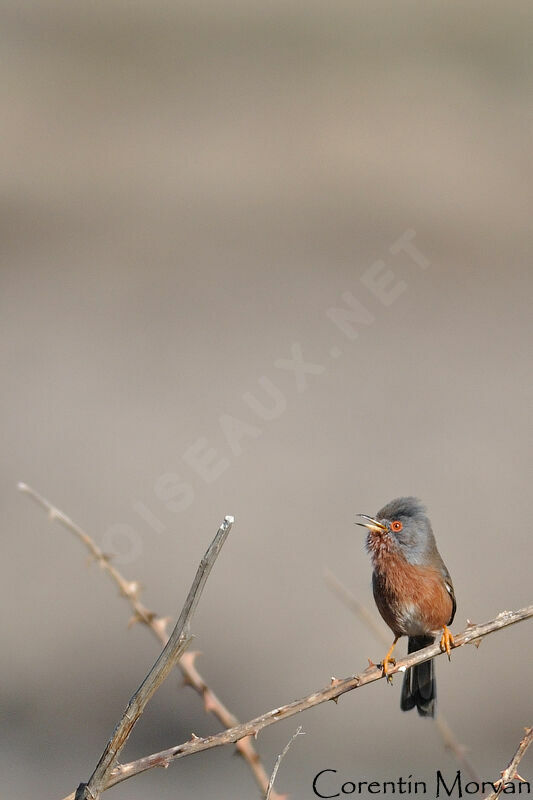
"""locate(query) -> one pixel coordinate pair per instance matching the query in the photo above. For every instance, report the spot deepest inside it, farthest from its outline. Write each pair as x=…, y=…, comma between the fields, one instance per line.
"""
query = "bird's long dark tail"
x=419, y=688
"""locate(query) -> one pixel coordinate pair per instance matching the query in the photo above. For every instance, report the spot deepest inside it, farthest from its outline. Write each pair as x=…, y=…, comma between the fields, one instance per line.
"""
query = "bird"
x=413, y=591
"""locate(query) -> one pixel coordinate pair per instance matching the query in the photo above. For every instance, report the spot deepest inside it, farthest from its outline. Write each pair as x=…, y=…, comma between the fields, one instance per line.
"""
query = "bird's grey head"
x=405, y=521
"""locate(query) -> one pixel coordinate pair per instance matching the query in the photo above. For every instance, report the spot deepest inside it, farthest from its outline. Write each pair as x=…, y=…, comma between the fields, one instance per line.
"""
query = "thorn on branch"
x=131, y=589
x=209, y=702
x=190, y=656
x=146, y=617
x=333, y=683
x=159, y=624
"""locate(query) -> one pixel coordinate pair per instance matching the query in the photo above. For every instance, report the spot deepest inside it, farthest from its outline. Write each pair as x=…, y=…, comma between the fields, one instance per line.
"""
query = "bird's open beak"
x=372, y=524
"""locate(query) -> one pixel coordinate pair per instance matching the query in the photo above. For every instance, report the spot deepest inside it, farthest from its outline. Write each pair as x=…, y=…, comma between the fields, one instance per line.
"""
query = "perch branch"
x=510, y=773
x=361, y=611
x=279, y=760
x=178, y=642
x=159, y=627
x=337, y=687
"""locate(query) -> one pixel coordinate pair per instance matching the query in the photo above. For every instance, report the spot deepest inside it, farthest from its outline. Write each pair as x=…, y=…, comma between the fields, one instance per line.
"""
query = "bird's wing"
x=449, y=588
x=443, y=569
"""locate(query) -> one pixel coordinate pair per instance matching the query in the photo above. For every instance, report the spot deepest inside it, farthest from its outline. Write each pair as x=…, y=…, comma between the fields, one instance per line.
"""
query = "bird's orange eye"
x=396, y=525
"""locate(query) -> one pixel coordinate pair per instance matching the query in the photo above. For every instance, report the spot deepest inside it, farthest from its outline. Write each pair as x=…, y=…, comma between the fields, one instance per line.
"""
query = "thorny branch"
x=336, y=688
x=178, y=642
x=240, y=732
x=159, y=627
x=510, y=773
x=360, y=610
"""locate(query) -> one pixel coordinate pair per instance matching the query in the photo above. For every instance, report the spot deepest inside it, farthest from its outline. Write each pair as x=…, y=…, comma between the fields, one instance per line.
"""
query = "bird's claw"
x=384, y=666
x=446, y=642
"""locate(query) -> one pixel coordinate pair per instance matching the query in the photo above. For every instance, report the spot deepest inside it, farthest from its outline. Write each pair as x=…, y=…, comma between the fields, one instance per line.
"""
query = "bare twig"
x=279, y=759
x=510, y=773
x=177, y=643
x=159, y=627
x=335, y=689
x=350, y=601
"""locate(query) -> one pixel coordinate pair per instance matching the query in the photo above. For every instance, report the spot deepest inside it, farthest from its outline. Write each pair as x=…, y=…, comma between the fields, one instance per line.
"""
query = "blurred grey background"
x=186, y=189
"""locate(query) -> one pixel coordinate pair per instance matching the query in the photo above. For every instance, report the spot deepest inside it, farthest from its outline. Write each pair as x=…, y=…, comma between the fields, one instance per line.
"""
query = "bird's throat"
x=381, y=547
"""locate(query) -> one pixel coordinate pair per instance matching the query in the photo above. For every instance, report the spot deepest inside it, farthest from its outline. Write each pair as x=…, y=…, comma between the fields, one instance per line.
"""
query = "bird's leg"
x=389, y=660
x=446, y=642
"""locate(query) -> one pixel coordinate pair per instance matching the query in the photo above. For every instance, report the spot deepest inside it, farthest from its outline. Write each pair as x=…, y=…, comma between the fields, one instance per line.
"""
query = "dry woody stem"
x=159, y=627
x=237, y=732
x=279, y=759
x=336, y=688
x=178, y=642
x=510, y=772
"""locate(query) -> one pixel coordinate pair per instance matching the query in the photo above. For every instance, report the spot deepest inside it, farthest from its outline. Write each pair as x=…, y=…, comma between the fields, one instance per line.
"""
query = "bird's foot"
x=389, y=660
x=384, y=666
x=446, y=642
